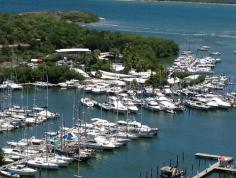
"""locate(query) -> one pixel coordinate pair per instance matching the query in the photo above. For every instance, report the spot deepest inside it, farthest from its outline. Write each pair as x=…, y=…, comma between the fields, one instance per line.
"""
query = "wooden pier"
x=207, y=171
x=228, y=170
x=214, y=167
x=210, y=156
x=22, y=161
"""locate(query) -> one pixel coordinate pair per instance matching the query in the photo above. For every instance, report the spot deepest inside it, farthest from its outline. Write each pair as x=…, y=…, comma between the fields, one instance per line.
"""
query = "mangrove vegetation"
x=38, y=35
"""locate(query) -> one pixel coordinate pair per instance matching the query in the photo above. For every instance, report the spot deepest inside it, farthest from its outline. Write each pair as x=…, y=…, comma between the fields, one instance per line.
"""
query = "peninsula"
x=28, y=36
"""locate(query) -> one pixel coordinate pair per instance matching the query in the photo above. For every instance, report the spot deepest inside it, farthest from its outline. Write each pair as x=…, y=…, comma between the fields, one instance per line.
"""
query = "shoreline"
x=188, y=2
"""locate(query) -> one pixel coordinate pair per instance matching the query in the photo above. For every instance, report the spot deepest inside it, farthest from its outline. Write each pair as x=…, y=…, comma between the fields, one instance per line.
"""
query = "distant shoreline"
x=189, y=2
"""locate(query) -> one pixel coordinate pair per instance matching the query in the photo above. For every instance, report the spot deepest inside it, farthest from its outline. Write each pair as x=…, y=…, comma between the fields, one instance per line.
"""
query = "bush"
x=55, y=74
x=181, y=75
x=45, y=32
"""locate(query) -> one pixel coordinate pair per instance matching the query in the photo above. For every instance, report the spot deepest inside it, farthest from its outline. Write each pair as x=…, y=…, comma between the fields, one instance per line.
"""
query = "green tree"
x=98, y=74
x=95, y=54
x=115, y=52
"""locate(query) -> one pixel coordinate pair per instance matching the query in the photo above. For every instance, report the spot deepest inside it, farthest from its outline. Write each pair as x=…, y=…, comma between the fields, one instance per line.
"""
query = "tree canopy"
x=37, y=35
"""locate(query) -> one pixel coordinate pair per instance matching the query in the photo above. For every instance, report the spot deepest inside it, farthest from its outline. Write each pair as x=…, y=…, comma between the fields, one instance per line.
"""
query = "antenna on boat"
x=78, y=152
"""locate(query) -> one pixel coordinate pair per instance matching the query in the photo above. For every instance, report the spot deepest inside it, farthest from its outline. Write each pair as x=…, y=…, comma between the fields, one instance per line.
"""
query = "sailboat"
x=9, y=174
x=44, y=162
x=22, y=170
x=78, y=159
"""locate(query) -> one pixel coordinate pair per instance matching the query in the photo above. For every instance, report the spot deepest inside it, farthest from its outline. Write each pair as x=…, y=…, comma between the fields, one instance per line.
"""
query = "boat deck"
x=6, y=166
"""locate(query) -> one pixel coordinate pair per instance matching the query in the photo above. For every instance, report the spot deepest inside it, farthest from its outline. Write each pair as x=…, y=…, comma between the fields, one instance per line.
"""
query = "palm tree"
x=115, y=52
x=95, y=54
x=161, y=72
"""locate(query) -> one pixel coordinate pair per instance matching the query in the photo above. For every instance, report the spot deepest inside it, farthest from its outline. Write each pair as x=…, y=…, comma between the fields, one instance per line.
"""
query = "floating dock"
x=225, y=169
x=214, y=167
x=211, y=156
x=207, y=171
x=21, y=161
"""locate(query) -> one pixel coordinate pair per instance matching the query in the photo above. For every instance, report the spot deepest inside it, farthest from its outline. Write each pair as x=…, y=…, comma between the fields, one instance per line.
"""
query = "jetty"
x=21, y=161
x=207, y=171
x=209, y=156
x=222, y=164
x=225, y=169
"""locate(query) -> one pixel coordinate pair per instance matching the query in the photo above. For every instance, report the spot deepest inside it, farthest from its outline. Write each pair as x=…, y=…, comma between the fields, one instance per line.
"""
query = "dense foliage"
x=75, y=16
x=37, y=35
x=160, y=78
x=45, y=32
x=181, y=75
x=55, y=74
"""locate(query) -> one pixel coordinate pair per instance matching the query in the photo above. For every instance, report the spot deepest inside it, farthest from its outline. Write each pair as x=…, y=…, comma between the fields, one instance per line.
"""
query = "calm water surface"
x=191, y=25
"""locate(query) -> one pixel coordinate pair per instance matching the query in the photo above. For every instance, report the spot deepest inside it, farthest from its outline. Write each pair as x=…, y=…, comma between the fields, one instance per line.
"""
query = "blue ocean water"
x=191, y=25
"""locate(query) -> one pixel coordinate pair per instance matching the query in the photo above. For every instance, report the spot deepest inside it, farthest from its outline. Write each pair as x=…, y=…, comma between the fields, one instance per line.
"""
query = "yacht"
x=87, y=102
x=42, y=163
x=9, y=174
x=88, y=88
x=100, y=143
x=98, y=89
x=217, y=53
x=69, y=84
x=65, y=158
x=105, y=106
x=148, y=90
x=221, y=103
x=152, y=104
x=126, y=135
x=204, y=48
x=7, y=126
x=116, y=104
x=130, y=105
x=168, y=105
x=22, y=170
x=138, y=128
x=197, y=105
x=171, y=172
x=58, y=161
x=11, y=84
x=114, y=90
x=41, y=84
x=167, y=90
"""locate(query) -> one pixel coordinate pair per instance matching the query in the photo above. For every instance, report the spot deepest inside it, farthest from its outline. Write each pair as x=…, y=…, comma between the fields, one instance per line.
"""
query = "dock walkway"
x=225, y=169
x=24, y=160
x=207, y=170
x=207, y=156
x=215, y=166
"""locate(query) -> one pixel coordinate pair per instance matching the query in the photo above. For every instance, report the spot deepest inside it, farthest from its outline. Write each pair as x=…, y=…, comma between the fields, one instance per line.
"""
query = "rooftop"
x=73, y=50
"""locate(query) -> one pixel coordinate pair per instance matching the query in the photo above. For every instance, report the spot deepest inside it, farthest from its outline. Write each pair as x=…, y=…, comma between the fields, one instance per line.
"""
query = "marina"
x=203, y=121
x=82, y=140
x=78, y=143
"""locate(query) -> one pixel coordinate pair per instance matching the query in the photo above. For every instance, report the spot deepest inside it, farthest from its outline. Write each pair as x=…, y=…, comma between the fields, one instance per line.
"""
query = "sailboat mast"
x=46, y=118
